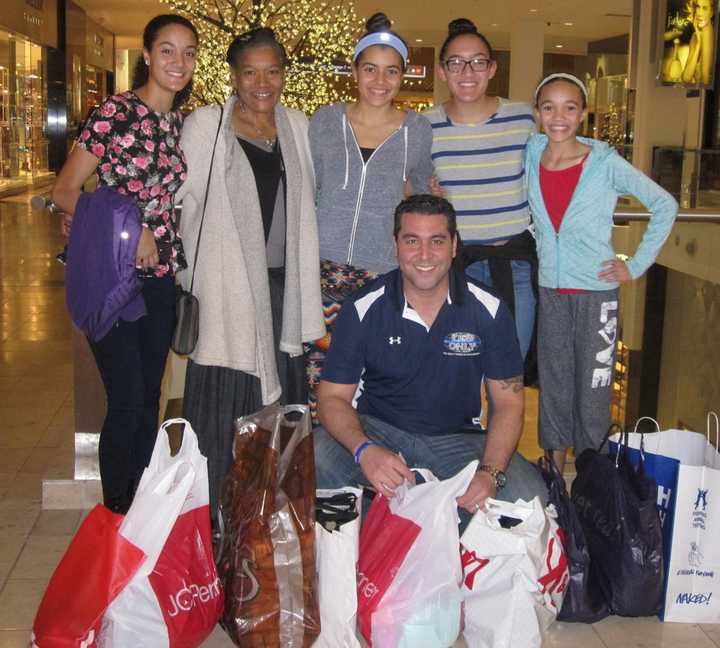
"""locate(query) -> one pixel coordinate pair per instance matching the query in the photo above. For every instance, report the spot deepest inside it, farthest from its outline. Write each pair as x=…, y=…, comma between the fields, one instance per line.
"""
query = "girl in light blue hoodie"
x=573, y=187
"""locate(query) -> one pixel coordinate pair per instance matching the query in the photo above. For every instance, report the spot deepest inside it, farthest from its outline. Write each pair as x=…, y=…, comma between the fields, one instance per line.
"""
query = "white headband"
x=381, y=38
x=562, y=75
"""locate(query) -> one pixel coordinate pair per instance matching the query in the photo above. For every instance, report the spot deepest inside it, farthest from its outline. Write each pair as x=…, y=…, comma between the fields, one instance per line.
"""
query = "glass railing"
x=692, y=176
x=668, y=363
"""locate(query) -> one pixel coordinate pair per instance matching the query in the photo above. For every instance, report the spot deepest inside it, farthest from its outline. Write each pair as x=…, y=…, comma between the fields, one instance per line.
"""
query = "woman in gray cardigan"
x=256, y=276
x=367, y=155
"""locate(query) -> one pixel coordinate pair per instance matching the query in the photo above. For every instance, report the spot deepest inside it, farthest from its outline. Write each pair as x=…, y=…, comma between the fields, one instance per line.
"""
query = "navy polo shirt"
x=421, y=380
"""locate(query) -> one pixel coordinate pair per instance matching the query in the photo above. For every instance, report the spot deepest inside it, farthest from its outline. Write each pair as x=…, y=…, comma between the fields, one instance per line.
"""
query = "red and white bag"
x=409, y=570
x=175, y=598
x=97, y=565
x=514, y=579
x=104, y=579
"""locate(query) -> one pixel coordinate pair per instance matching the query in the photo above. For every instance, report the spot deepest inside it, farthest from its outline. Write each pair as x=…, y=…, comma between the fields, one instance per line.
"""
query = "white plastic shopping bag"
x=693, y=571
x=175, y=599
x=421, y=606
x=514, y=579
x=336, y=556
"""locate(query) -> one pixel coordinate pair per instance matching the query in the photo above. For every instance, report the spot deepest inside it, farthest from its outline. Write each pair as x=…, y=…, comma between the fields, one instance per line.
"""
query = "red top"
x=557, y=190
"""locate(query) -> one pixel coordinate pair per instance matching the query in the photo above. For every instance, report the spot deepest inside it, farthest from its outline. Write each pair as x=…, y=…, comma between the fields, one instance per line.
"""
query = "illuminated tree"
x=319, y=38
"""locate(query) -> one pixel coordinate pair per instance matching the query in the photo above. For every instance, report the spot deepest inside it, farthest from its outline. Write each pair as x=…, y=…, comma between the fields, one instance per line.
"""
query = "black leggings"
x=131, y=359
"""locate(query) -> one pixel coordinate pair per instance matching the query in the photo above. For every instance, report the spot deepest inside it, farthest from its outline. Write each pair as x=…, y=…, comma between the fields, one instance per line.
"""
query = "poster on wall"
x=690, y=42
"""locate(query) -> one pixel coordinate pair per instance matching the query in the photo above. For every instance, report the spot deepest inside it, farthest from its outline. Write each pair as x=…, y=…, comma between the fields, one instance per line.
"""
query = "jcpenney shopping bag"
x=267, y=552
x=693, y=571
x=175, y=599
x=337, y=538
x=97, y=565
x=514, y=579
x=409, y=571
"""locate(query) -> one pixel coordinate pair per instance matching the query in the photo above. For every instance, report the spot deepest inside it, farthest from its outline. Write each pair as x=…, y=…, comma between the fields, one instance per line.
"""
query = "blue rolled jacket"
x=572, y=257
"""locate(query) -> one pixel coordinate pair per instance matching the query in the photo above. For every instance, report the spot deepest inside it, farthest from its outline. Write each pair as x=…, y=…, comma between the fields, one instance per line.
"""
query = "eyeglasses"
x=457, y=65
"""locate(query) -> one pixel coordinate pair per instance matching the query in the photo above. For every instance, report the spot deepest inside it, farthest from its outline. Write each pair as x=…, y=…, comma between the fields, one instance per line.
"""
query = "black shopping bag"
x=584, y=601
x=615, y=503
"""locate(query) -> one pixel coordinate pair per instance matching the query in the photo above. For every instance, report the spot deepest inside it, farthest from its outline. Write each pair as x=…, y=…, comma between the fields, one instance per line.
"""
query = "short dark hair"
x=141, y=72
x=258, y=37
x=460, y=27
x=428, y=205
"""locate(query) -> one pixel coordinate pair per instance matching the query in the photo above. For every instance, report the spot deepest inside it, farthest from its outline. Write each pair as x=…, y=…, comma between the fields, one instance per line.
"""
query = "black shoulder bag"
x=187, y=306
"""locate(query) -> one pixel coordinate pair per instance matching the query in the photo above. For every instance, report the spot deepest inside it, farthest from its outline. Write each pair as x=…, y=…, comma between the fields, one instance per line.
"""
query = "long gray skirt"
x=216, y=396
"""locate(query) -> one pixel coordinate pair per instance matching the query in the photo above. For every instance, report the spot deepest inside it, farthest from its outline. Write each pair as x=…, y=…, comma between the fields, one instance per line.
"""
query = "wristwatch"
x=498, y=475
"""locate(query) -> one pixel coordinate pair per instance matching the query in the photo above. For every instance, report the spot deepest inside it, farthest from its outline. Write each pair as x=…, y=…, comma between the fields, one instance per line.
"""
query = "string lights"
x=319, y=38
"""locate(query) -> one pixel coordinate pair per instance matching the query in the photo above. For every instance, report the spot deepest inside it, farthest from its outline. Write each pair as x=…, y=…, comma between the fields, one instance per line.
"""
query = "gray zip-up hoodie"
x=355, y=201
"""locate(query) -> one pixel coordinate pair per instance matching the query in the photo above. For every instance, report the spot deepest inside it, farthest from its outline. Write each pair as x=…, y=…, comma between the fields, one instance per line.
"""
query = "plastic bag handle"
x=293, y=441
x=508, y=509
x=713, y=415
x=188, y=445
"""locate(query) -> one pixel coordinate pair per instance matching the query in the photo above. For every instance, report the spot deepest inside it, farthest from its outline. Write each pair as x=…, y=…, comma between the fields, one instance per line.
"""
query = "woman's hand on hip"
x=614, y=271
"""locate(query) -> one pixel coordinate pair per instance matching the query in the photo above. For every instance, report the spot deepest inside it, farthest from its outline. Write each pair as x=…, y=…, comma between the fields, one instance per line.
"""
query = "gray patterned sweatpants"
x=577, y=335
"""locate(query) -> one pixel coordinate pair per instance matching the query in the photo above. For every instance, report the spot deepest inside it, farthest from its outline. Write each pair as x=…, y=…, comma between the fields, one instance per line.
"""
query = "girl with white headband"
x=573, y=187
x=367, y=154
x=478, y=145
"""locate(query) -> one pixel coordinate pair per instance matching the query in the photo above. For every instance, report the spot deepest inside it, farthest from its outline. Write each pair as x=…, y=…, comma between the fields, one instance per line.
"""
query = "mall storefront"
x=27, y=29
x=55, y=65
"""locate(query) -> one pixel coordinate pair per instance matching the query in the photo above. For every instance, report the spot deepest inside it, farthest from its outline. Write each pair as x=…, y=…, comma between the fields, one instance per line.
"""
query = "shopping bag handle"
x=642, y=436
x=189, y=442
x=712, y=415
x=646, y=418
x=512, y=510
x=547, y=463
x=162, y=454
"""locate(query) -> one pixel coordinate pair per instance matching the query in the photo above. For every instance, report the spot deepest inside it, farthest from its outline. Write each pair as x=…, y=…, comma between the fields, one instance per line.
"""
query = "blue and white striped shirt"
x=480, y=167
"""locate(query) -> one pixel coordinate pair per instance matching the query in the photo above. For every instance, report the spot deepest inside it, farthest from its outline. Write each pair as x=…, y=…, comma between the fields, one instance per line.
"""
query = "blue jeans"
x=445, y=455
x=525, y=300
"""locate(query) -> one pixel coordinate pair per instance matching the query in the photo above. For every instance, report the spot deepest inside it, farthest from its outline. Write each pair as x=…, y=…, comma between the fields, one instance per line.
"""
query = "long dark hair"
x=461, y=26
x=142, y=73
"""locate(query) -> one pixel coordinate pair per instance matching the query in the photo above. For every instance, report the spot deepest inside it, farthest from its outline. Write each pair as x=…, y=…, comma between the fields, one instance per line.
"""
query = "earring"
x=147, y=62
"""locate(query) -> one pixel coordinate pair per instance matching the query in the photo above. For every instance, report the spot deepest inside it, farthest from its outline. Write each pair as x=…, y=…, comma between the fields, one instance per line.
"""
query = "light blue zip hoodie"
x=572, y=257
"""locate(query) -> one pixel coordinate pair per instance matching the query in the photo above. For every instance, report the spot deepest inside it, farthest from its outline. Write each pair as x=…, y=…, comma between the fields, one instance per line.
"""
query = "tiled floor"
x=36, y=414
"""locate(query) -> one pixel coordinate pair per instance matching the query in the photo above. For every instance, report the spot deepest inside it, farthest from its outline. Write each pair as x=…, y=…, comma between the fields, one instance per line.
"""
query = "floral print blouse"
x=139, y=153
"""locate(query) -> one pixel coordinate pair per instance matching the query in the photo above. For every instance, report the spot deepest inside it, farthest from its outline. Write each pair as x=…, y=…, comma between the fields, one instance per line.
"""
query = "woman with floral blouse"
x=132, y=142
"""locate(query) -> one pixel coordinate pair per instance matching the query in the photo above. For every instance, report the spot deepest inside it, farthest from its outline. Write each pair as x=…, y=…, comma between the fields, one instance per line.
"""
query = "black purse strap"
x=207, y=191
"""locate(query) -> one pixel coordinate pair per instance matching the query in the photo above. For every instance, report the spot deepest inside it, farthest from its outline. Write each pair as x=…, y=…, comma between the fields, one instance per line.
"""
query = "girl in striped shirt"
x=478, y=146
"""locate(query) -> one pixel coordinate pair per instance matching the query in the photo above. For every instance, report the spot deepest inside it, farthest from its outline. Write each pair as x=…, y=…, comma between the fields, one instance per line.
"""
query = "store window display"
x=23, y=108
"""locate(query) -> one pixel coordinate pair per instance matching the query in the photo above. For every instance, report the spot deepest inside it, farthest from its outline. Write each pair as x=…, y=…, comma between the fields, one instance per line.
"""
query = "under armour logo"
x=395, y=340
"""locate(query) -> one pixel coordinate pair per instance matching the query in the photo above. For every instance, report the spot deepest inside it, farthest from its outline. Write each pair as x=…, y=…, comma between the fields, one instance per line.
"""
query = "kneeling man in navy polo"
x=402, y=379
